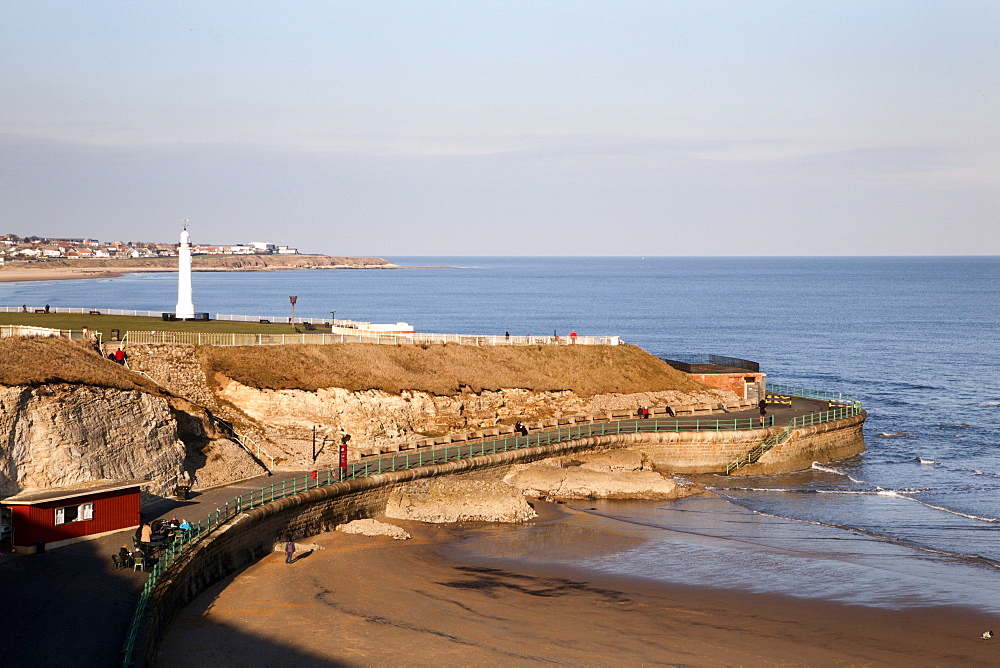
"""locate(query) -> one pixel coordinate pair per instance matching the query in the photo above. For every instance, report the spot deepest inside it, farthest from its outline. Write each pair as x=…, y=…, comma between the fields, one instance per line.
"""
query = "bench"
x=91, y=313
x=39, y=310
x=265, y=322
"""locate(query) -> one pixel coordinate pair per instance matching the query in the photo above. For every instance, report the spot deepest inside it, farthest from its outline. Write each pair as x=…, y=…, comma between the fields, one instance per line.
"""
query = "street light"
x=293, y=300
x=333, y=318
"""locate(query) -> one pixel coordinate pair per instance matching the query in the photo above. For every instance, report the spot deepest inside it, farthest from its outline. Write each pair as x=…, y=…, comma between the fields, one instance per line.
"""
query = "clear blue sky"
x=507, y=128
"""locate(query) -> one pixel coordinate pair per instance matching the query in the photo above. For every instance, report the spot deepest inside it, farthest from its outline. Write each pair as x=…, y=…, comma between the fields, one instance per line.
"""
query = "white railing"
x=251, y=445
x=83, y=311
x=360, y=336
x=284, y=319
x=244, y=442
x=343, y=331
x=26, y=330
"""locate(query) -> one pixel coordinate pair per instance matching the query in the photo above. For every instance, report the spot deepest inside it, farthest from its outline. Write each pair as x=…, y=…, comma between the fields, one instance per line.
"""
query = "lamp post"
x=333, y=318
x=293, y=299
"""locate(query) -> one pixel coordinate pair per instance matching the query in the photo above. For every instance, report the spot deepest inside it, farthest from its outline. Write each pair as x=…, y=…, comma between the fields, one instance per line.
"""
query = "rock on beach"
x=370, y=527
x=614, y=474
x=457, y=499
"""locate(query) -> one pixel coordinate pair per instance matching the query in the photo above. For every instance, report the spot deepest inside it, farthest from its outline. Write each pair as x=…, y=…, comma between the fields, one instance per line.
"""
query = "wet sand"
x=375, y=601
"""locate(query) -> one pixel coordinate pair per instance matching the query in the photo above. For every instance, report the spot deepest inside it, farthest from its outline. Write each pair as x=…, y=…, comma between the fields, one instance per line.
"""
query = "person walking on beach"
x=289, y=552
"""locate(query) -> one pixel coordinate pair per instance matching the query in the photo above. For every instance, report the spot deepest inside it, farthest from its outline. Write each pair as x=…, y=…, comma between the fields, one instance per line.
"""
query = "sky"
x=545, y=128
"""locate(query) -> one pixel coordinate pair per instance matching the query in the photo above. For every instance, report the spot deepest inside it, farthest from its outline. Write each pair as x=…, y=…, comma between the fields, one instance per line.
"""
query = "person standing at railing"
x=762, y=405
x=572, y=336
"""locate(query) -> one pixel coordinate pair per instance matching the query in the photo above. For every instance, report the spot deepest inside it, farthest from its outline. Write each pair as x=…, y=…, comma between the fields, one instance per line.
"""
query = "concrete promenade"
x=69, y=607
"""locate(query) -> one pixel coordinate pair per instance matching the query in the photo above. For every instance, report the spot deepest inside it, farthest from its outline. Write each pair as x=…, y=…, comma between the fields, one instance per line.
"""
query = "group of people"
x=118, y=356
x=521, y=428
x=645, y=412
x=148, y=539
x=127, y=558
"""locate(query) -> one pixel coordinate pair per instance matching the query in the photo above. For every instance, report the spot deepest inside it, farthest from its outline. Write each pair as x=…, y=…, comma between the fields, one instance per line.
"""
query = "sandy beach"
x=374, y=601
x=62, y=274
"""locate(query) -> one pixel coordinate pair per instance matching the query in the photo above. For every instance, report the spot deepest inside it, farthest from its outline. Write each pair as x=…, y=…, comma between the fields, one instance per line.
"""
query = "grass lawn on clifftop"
x=105, y=323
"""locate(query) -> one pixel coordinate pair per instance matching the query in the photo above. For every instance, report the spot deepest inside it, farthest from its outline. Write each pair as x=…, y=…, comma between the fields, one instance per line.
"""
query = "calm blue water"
x=914, y=520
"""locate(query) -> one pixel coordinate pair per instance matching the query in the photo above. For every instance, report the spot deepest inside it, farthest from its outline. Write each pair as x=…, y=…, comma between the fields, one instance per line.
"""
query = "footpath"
x=70, y=607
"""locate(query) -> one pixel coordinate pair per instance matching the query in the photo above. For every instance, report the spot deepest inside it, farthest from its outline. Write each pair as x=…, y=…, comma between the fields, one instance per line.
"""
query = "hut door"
x=750, y=390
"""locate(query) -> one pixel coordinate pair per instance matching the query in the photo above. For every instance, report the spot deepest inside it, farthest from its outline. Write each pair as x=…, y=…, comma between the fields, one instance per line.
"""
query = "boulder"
x=369, y=527
x=617, y=474
x=458, y=499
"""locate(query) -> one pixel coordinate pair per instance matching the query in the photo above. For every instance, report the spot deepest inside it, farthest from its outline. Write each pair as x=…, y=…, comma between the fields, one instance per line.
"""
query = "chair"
x=140, y=564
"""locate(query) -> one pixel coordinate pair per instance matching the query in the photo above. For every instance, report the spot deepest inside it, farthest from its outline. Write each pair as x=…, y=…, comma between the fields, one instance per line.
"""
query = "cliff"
x=370, y=395
x=69, y=416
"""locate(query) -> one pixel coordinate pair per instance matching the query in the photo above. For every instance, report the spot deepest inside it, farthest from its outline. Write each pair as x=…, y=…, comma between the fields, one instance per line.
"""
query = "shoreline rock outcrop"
x=458, y=499
x=613, y=474
x=370, y=527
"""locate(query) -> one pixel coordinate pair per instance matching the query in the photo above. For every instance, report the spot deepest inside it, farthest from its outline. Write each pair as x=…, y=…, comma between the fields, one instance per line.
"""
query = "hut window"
x=67, y=514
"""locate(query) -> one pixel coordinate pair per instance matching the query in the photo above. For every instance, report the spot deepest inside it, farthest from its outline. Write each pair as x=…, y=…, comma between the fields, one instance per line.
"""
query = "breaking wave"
x=830, y=469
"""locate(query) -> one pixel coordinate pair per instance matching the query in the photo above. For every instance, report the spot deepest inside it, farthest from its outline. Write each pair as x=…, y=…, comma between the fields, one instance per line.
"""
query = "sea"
x=912, y=522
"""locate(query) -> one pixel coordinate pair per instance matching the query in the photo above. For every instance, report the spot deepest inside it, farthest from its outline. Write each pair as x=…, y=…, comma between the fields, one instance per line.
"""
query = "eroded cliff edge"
x=370, y=396
x=69, y=416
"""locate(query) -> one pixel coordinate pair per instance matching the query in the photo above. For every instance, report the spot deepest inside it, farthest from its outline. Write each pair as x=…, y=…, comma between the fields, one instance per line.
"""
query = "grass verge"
x=446, y=369
x=39, y=360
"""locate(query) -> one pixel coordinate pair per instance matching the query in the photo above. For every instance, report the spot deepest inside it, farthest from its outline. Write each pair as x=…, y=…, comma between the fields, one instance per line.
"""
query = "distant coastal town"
x=13, y=247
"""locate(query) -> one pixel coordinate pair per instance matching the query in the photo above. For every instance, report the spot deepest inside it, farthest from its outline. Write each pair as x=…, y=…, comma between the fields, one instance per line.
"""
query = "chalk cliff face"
x=60, y=434
x=285, y=418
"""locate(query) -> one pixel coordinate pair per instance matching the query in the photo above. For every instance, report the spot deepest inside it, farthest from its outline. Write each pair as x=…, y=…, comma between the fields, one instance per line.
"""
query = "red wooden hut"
x=63, y=515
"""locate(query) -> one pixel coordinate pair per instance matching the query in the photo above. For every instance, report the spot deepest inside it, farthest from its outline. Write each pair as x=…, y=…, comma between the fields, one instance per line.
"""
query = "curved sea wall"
x=712, y=451
x=826, y=442
x=251, y=535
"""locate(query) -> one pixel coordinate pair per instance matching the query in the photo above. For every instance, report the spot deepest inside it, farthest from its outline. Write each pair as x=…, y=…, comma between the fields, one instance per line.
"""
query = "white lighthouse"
x=185, y=300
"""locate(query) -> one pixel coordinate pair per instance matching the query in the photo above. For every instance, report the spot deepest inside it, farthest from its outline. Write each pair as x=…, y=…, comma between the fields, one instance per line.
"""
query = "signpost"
x=293, y=299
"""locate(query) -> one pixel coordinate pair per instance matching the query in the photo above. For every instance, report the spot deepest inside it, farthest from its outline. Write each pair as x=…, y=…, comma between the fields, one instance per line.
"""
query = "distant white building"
x=263, y=246
x=287, y=250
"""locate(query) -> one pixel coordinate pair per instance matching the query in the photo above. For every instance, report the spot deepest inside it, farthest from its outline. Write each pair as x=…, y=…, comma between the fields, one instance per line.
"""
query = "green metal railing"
x=426, y=457
x=844, y=412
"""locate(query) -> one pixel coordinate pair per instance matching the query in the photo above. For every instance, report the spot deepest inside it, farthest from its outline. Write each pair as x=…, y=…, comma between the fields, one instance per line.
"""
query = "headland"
x=165, y=421
x=70, y=269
